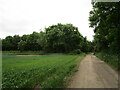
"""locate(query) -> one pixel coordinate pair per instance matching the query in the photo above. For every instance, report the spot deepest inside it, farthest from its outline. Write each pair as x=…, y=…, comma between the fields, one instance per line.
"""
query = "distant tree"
x=62, y=38
x=22, y=45
x=24, y=37
x=84, y=45
x=7, y=43
x=32, y=43
x=15, y=40
x=42, y=40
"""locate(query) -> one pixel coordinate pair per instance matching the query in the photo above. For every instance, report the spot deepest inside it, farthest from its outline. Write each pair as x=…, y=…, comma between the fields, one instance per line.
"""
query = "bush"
x=76, y=51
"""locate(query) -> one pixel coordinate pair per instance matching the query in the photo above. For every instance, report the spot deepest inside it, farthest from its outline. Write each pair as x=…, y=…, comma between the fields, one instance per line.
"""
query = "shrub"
x=76, y=51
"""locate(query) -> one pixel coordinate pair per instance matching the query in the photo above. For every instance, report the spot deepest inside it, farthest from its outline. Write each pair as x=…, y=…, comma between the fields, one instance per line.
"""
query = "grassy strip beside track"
x=111, y=59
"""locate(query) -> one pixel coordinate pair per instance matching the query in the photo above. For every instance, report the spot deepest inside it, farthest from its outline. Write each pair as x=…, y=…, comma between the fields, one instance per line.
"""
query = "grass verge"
x=75, y=69
x=110, y=59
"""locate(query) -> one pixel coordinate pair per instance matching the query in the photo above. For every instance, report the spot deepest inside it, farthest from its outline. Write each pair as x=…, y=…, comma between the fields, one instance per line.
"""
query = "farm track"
x=94, y=73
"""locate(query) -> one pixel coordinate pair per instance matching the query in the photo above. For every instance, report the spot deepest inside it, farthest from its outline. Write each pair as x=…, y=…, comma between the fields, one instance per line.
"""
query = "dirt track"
x=94, y=73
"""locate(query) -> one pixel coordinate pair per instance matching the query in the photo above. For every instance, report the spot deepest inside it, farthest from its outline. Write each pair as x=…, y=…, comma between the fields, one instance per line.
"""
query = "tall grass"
x=109, y=58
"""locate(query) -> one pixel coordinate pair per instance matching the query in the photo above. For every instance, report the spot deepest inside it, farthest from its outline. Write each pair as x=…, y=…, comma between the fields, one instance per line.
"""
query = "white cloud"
x=25, y=16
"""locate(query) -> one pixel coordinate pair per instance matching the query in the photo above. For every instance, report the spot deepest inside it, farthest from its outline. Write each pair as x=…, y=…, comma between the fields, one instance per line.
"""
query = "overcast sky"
x=25, y=16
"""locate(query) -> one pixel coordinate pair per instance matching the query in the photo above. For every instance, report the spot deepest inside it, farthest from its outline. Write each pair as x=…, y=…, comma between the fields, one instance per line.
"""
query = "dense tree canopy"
x=60, y=38
x=7, y=43
x=104, y=18
x=15, y=40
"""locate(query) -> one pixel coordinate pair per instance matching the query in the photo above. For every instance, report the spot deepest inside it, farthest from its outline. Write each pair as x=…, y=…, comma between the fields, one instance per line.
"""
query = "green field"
x=46, y=71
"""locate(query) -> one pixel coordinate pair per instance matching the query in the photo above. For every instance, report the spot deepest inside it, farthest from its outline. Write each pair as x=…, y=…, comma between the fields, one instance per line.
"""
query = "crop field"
x=46, y=71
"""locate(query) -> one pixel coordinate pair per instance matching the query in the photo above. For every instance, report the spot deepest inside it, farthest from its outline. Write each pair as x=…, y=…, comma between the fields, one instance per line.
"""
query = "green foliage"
x=15, y=40
x=42, y=40
x=104, y=18
x=60, y=38
x=47, y=71
x=21, y=45
x=7, y=43
x=32, y=43
x=10, y=43
x=76, y=51
x=109, y=58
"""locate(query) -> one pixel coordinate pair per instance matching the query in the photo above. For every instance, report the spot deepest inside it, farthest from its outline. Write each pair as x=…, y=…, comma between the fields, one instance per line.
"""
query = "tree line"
x=105, y=19
x=60, y=38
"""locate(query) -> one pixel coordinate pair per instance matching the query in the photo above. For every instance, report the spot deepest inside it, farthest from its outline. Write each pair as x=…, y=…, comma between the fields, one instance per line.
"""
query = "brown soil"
x=94, y=73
